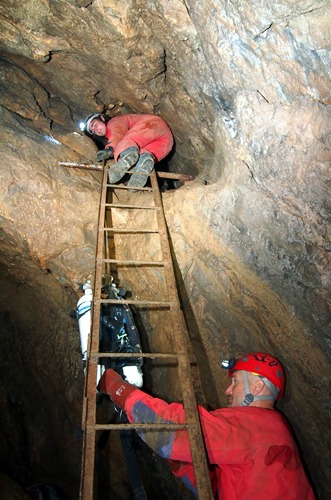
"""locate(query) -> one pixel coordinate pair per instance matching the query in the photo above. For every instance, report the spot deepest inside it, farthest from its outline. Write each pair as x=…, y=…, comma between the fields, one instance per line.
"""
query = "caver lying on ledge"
x=140, y=140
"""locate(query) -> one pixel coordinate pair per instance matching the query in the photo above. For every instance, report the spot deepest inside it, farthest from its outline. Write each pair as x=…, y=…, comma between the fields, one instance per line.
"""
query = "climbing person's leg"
x=126, y=160
x=160, y=146
x=150, y=153
x=144, y=166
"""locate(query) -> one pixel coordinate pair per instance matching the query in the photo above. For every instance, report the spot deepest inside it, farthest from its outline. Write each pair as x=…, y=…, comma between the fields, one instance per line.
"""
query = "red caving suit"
x=149, y=133
x=251, y=451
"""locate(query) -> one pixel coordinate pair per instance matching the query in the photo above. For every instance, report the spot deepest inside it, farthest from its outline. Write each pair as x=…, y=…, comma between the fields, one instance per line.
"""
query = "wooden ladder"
x=179, y=339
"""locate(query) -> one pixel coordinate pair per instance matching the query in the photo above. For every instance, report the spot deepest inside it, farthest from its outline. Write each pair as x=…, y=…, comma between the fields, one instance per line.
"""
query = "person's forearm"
x=144, y=409
x=168, y=443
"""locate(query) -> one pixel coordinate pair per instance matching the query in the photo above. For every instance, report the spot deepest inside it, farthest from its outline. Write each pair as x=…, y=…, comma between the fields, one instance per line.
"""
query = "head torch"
x=227, y=364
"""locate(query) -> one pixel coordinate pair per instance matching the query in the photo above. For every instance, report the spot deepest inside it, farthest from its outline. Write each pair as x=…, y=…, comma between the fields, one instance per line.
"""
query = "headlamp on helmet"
x=227, y=364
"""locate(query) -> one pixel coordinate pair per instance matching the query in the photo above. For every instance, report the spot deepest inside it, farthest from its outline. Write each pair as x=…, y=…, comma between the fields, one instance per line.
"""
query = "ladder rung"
x=115, y=168
x=101, y=427
x=135, y=302
x=119, y=205
x=121, y=186
x=151, y=355
x=128, y=230
x=134, y=262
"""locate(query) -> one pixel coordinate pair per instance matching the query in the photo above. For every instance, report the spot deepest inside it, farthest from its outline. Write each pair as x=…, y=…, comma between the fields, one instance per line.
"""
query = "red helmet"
x=263, y=364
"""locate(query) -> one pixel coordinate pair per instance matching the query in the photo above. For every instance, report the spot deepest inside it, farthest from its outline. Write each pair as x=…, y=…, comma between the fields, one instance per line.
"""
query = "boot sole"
x=140, y=180
x=122, y=166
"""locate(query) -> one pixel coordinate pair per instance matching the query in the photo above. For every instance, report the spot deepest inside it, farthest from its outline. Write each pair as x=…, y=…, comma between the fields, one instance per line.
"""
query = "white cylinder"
x=84, y=320
x=100, y=371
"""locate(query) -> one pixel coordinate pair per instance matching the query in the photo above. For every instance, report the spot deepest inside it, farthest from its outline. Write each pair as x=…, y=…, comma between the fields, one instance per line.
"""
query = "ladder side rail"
x=184, y=370
x=89, y=409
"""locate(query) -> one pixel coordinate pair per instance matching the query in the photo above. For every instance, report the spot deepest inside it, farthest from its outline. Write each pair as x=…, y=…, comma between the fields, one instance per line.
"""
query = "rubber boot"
x=128, y=158
x=145, y=165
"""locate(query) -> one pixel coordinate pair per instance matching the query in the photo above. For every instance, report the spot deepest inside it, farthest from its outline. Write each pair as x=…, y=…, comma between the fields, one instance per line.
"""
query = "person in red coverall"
x=251, y=451
x=140, y=140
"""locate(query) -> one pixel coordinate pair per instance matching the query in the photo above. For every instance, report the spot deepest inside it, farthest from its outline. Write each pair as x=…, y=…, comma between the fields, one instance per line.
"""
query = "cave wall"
x=245, y=88
x=41, y=375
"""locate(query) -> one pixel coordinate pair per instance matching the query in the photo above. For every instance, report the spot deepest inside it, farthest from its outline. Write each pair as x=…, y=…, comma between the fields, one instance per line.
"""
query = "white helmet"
x=85, y=126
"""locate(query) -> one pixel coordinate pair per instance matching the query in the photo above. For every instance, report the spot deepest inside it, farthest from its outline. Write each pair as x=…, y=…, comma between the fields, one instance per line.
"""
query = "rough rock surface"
x=245, y=88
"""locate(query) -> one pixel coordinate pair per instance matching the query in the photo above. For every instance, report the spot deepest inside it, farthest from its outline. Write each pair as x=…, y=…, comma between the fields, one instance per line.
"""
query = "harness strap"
x=249, y=398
